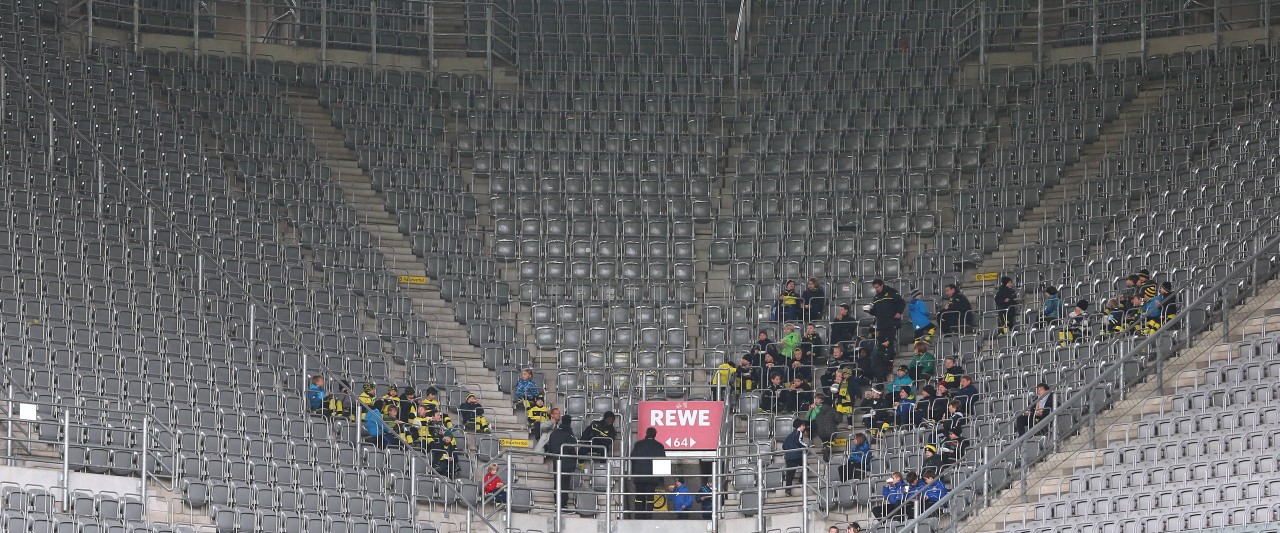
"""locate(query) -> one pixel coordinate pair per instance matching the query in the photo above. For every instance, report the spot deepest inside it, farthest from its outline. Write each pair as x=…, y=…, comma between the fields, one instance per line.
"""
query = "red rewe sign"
x=683, y=425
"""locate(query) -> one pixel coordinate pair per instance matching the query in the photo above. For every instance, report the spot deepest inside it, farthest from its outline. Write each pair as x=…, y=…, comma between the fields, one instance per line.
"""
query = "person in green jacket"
x=790, y=339
x=921, y=365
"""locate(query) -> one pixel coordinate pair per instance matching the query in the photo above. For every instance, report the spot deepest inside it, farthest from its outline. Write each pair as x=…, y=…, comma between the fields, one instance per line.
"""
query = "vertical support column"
x=510, y=493
x=804, y=492
x=142, y=463
x=66, y=461
x=413, y=480
x=1266, y=22
x=248, y=28
x=1096, y=37
x=253, y=327
x=8, y=429
x=560, y=496
x=151, y=213
x=1217, y=25
x=431, y=57
x=608, y=495
x=488, y=38
x=1142, y=19
x=715, y=495
x=1040, y=31
x=200, y=273
x=373, y=32
x=137, y=24
x=324, y=33
x=89, y=20
x=48, y=156
x=195, y=27
x=982, y=41
x=759, y=492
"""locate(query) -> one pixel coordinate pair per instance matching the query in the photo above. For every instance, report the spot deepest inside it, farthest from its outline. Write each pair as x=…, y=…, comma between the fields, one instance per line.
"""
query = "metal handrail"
x=1160, y=343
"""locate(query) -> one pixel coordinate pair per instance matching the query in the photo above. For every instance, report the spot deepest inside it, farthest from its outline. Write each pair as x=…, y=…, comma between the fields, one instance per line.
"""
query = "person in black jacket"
x=601, y=433
x=562, y=443
x=844, y=329
x=812, y=344
x=1007, y=304
x=789, y=302
x=887, y=307
x=642, y=476
x=1040, y=408
x=813, y=300
x=956, y=312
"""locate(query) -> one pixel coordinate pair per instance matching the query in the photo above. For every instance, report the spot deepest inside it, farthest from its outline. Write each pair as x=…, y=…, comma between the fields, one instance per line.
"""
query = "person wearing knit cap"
x=392, y=397
x=931, y=458
x=1077, y=325
x=1149, y=319
x=562, y=446
x=1145, y=281
x=918, y=310
x=1168, y=301
x=472, y=415
x=601, y=433
x=1007, y=305
x=1129, y=291
x=368, y=397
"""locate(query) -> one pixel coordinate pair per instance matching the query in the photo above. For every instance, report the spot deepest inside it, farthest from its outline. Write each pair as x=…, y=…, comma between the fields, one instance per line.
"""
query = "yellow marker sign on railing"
x=514, y=443
x=414, y=280
x=987, y=276
x=839, y=442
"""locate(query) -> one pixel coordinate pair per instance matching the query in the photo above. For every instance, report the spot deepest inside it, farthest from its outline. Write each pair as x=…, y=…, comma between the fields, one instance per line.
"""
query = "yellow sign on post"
x=514, y=443
x=839, y=442
x=414, y=280
x=987, y=276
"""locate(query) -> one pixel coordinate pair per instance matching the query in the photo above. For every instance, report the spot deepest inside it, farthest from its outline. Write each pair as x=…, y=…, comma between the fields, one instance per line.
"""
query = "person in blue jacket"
x=526, y=389
x=894, y=491
x=859, y=458
x=915, y=486
x=934, y=489
x=920, y=323
x=905, y=407
x=794, y=446
x=901, y=379
x=1052, y=312
x=706, y=495
x=378, y=432
x=316, y=395
x=681, y=500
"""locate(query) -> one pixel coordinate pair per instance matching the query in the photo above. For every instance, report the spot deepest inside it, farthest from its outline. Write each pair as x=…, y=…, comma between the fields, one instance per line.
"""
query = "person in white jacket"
x=547, y=425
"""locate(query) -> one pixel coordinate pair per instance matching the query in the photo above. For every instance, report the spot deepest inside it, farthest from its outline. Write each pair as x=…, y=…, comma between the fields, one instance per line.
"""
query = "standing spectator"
x=642, y=454
x=789, y=302
x=1052, y=308
x=894, y=491
x=536, y=416
x=1007, y=305
x=844, y=329
x=956, y=316
x=859, y=462
x=706, y=497
x=922, y=327
x=824, y=420
x=1077, y=324
x=601, y=433
x=843, y=392
x=921, y=365
x=794, y=446
x=494, y=487
x=681, y=500
x=722, y=380
x=561, y=444
x=1041, y=406
x=443, y=454
x=472, y=414
x=951, y=372
x=317, y=396
x=900, y=380
x=547, y=426
x=526, y=389
x=813, y=300
x=887, y=307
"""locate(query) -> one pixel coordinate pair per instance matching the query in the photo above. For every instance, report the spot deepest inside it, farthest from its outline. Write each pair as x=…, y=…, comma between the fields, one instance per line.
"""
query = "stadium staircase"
x=1071, y=184
x=1120, y=423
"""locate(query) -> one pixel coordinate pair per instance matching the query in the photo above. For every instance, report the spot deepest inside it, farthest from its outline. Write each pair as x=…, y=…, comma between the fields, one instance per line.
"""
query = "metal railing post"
x=8, y=431
x=373, y=38
x=195, y=26
x=759, y=492
x=982, y=40
x=142, y=462
x=66, y=461
x=413, y=480
x=1217, y=25
x=1266, y=22
x=1096, y=37
x=89, y=7
x=431, y=40
x=248, y=27
x=560, y=495
x=137, y=24
x=608, y=495
x=510, y=493
x=324, y=33
x=253, y=326
x=150, y=231
x=1040, y=31
x=804, y=492
x=715, y=495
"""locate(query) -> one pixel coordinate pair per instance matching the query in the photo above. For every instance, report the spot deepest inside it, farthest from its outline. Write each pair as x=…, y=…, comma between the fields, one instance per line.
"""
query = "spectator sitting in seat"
x=869, y=366
x=1041, y=406
x=1129, y=291
x=859, y=462
x=880, y=409
x=537, y=415
x=1077, y=324
x=369, y=397
x=1052, y=311
x=797, y=395
x=380, y=431
x=789, y=302
x=1145, y=282
x=408, y=405
x=967, y=394
x=1148, y=320
x=494, y=487
x=933, y=490
x=844, y=329
x=443, y=453
x=915, y=486
x=835, y=364
x=600, y=433
x=956, y=315
x=951, y=371
x=922, y=327
x=790, y=340
x=472, y=414
x=391, y=398
x=317, y=396
x=931, y=459
x=925, y=412
x=894, y=491
x=921, y=365
x=900, y=380
x=773, y=397
x=800, y=365
x=431, y=398
x=903, y=408
x=811, y=343
x=751, y=370
x=813, y=300
x=765, y=345
x=1113, y=317
x=417, y=432
x=526, y=389
x=722, y=380
x=1168, y=302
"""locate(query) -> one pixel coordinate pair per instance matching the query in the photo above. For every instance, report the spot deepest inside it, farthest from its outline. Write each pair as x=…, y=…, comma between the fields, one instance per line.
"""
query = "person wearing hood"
x=1007, y=304
x=957, y=313
x=643, y=452
x=681, y=499
x=563, y=446
x=472, y=414
x=600, y=433
x=844, y=328
x=1077, y=325
x=1052, y=312
x=813, y=301
x=919, y=311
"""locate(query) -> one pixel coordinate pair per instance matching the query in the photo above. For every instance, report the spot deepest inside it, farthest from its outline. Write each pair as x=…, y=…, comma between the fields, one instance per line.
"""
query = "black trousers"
x=642, y=501
x=790, y=476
